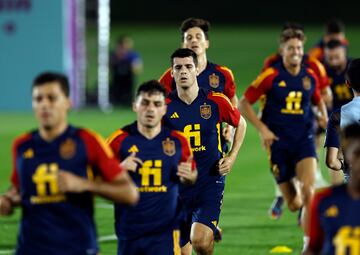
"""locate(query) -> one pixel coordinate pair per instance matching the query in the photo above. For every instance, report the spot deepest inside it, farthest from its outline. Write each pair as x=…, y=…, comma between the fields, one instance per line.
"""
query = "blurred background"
x=81, y=38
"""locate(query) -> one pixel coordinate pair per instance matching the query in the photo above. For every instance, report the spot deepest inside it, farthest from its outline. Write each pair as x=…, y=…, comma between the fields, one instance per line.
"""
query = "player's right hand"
x=6, y=207
x=267, y=137
x=131, y=162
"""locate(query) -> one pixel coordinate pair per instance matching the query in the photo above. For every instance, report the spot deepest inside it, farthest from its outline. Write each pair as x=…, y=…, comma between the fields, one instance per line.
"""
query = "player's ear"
x=134, y=106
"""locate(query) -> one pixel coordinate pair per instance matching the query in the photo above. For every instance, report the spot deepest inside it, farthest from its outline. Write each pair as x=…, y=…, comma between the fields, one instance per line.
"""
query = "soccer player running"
x=334, y=220
x=336, y=63
x=198, y=113
x=286, y=123
x=315, y=65
x=334, y=30
x=53, y=175
x=158, y=159
x=195, y=36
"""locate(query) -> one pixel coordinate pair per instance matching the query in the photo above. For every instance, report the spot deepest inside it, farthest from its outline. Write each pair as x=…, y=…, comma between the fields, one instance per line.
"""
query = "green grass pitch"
x=249, y=187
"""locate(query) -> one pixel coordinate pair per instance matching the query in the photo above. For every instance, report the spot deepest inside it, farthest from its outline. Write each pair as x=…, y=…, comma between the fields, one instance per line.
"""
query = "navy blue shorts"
x=204, y=207
x=165, y=243
x=285, y=156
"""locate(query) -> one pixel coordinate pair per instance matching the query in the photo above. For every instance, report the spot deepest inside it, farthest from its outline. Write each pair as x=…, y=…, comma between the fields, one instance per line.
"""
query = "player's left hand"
x=227, y=133
x=225, y=164
x=69, y=182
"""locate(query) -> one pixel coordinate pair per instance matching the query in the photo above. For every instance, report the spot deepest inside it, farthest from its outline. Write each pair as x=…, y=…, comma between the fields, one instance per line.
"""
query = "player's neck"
x=188, y=95
x=293, y=70
x=49, y=134
x=147, y=132
x=202, y=62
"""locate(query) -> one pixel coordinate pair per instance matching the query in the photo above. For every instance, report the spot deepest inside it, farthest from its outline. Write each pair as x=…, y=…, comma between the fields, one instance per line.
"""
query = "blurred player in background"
x=125, y=65
x=158, y=159
x=198, y=113
x=53, y=177
x=336, y=63
x=334, y=220
x=285, y=126
x=334, y=30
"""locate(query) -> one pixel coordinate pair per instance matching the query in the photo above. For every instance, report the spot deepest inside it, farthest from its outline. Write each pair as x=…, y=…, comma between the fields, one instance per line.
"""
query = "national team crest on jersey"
x=332, y=212
x=68, y=149
x=306, y=83
x=214, y=80
x=169, y=147
x=205, y=111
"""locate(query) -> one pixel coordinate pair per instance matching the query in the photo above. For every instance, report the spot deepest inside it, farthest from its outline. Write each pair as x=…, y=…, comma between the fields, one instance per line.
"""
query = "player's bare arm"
x=226, y=163
x=266, y=135
x=121, y=189
x=8, y=201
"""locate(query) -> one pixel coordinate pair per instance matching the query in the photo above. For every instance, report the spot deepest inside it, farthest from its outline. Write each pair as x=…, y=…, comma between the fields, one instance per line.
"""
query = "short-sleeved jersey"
x=307, y=61
x=53, y=222
x=335, y=222
x=342, y=93
x=215, y=77
x=350, y=113
x=318, y=50
x=156, y=180
x=288, y=100
x=200, y=121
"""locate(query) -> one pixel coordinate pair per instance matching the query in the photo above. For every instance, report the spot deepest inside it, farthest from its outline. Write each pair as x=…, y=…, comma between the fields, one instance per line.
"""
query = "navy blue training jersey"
x=200, y=122
x=287, y=110
x=156, y=179
x=342, y=93
x=335, y=222
x=53, y=222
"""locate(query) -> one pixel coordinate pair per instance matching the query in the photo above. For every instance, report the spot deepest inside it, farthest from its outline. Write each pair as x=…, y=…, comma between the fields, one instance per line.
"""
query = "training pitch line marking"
x=3, y=252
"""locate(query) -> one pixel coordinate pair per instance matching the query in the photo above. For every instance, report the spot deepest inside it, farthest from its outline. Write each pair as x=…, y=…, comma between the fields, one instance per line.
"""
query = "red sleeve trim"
x=317, y=53
x=186, y=151
x=261, y=85
x=319, y=71
x=227, y=112
x=100, y=155
x=17, y=142
x=230, y=86
x=115, y=140
x=316, y=232
x=270, y=60
x=316, y=97
x=166, y=80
